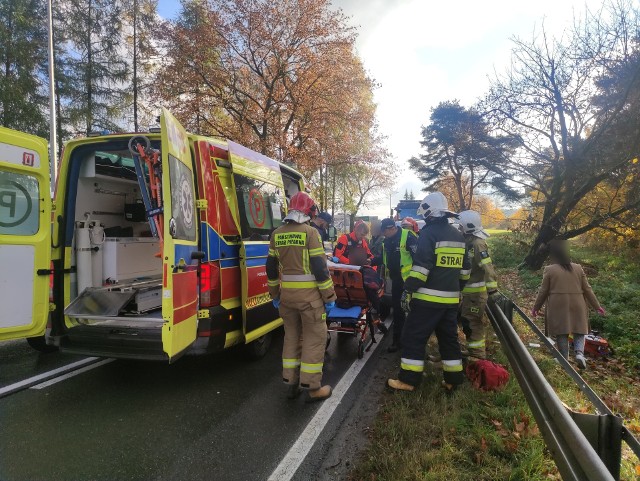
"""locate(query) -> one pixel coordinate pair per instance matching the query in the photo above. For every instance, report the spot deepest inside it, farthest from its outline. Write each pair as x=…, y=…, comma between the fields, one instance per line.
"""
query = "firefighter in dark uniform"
x=300, y=285
x=432, y=292
x=480, y=286
x=397, y=256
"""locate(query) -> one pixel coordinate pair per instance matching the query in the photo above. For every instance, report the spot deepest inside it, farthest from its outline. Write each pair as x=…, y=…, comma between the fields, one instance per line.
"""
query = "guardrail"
x=583, y=446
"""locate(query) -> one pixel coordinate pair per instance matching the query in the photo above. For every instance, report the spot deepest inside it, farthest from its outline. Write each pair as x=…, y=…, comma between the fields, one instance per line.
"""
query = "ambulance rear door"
x=25, y=234
x=261, y=207
x=179, y=253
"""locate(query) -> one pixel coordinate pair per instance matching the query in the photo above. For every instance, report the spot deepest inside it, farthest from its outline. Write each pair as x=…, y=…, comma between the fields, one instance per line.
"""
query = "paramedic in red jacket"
x=347, y=243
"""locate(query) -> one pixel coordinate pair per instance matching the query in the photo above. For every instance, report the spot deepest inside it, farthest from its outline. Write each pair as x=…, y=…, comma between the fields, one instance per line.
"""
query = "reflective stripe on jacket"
x=440, y=265
x=297, y=265
x=483, y=275
x=406, y=256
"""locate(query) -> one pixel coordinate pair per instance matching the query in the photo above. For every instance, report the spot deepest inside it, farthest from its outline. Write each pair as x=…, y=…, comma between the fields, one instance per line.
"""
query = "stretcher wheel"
x=328, y=340
x=360, y=349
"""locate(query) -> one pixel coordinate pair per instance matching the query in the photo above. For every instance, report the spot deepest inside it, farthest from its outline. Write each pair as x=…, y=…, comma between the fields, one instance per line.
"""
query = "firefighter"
x=353, y=241
x=482, y=284
x=301, y=288
x=397, y=256
x=322, y=222
x=432, y=292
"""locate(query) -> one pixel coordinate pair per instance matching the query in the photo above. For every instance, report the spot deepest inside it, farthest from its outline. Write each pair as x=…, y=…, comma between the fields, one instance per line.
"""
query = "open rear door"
x=180, y=274
x=25, y=234
x=261, y=207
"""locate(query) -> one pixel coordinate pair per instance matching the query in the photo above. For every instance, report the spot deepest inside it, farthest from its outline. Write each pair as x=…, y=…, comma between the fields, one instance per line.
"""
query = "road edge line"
x=298, y=452
x=27, y=383
x=73, y=373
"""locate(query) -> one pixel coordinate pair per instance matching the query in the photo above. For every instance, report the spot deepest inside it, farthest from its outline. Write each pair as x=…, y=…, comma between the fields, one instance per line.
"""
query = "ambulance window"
x=261, y=207
x=182, y=200
x=19, y=204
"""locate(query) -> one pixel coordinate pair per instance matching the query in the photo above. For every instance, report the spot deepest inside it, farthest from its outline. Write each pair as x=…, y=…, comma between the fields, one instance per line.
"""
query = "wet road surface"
x=211, y=417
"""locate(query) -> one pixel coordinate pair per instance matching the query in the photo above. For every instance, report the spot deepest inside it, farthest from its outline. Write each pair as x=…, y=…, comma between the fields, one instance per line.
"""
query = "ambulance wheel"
x=40, y=344
x=328, y=340
x=258, y=348
x=360, y=349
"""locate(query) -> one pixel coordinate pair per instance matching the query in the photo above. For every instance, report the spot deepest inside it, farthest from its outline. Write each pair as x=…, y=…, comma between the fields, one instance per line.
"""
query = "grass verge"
x=473, y=435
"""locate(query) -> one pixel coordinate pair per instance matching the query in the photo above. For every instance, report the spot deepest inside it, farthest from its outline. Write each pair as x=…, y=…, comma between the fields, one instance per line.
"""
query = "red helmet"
x=302, y=202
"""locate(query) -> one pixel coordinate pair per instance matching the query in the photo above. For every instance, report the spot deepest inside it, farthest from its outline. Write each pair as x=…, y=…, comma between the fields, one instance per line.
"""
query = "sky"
x=423, y=52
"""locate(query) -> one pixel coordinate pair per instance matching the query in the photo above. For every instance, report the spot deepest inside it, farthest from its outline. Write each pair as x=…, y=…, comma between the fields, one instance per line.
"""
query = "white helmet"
x=472, y=224
x=435, y=205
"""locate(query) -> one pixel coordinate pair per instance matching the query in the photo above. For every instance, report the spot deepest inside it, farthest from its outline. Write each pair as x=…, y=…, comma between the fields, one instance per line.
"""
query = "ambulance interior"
x=118, y=268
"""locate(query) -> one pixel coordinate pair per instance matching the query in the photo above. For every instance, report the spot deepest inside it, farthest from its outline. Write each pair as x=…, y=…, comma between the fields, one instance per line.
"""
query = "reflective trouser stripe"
x=452, y=366
x=271, y=283
x=476, y=344
x=412, y=365
x=273, y=253
x=311, y=368
x=290, y=363
x=464, y=277
x=492, y=285
x=486, y=261
x=318, y=251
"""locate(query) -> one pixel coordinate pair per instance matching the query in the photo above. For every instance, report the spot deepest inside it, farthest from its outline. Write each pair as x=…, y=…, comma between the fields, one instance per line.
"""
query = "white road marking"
x=18, y=386
x=71, y=374
x=298, y=452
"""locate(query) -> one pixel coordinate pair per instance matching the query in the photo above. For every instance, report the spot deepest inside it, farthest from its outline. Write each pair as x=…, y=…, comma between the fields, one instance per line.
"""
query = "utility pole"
x=53, y=142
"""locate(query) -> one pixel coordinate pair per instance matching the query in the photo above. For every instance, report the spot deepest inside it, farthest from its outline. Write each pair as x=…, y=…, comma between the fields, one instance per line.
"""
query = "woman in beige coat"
x=566, y=292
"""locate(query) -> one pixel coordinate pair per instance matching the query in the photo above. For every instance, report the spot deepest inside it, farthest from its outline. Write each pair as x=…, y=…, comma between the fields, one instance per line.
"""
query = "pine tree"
x=98, y=94
x=23, y=51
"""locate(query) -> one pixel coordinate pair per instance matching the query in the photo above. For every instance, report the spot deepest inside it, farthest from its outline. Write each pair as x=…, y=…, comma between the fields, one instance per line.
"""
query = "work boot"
x=319, y=394
x=293, y=391
x=581, y=361
x=449, y=388
x=399, y=385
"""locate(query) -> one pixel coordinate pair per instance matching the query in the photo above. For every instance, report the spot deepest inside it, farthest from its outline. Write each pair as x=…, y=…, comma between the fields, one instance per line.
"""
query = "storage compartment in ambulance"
x=127, y=242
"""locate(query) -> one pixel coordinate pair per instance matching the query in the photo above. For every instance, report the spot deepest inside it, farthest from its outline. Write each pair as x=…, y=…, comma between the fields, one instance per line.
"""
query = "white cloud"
x=425, y=52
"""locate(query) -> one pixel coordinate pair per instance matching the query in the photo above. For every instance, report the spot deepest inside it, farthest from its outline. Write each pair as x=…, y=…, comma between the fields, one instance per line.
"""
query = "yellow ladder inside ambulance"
x=25, y=235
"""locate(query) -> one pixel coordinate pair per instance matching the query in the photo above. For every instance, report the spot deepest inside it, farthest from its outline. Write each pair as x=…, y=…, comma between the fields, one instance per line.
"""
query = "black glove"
x=405, y=299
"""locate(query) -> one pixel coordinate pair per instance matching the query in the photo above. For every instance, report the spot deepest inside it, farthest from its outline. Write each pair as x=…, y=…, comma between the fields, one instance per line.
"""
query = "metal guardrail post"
x=573, y=454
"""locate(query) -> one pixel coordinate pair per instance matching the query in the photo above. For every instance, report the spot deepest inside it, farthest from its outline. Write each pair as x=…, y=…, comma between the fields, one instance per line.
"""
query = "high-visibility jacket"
x=483, y=275
x=297, y=265
x=441, y=265
x=406, y=252
x=345, y=243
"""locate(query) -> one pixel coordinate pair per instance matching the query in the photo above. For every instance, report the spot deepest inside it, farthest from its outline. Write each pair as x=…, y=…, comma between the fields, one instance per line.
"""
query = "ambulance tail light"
x=210, y=284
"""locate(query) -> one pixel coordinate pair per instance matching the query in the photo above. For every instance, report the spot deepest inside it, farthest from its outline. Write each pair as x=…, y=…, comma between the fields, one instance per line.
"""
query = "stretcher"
x=353, y=313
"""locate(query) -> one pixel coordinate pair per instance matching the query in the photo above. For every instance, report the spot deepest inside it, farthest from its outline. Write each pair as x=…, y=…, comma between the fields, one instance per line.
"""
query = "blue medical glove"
x=335, y=259
x=329, y=305
x=276, y=303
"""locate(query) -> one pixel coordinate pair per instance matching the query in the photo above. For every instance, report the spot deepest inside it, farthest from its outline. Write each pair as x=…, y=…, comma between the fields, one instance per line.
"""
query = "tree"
x=572, y=104
x=279, y=77
x=97, y=72
x=140, y=22
x=23, y=61
x=459, y=146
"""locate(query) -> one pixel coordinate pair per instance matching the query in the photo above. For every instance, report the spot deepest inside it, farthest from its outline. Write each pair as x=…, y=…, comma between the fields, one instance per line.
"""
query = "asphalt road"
x=213, y=417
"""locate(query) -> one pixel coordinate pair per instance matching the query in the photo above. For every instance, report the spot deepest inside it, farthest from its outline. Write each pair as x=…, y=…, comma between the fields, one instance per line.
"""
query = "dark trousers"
x=397, y=286
x=422, y=321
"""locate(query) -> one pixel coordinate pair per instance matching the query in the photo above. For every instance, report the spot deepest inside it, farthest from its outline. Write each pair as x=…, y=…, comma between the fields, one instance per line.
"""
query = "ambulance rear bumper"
x=121, y=342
